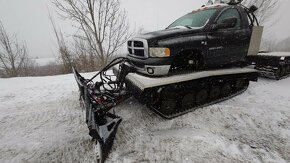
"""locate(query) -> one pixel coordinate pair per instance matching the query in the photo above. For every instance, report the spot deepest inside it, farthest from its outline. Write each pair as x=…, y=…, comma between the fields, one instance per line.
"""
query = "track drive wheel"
x=201, y=96
x=98, y=153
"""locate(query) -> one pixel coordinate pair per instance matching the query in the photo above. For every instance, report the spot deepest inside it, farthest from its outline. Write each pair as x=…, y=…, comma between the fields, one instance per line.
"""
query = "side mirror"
x=225, y=24
x=253, y=8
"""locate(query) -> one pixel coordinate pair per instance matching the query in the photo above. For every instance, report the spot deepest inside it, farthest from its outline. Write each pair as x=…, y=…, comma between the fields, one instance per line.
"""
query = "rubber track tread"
x=274, y=76
x=199, y=106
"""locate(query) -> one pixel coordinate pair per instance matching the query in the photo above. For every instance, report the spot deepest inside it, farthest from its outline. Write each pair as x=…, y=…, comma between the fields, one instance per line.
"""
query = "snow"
x=41, y=121
x=45, y=61
x=278, y=54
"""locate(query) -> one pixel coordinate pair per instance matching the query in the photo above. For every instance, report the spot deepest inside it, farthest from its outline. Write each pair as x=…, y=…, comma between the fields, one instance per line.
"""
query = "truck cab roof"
x=214, y=6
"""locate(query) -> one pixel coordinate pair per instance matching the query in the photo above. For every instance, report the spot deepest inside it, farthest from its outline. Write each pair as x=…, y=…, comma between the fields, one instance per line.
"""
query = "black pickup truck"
x=210, y=37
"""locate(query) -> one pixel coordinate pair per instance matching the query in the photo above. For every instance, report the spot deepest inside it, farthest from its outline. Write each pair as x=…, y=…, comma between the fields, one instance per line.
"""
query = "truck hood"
x=167, y=33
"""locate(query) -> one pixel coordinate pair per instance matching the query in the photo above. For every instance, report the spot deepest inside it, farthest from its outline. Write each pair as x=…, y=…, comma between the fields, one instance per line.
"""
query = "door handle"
x=241, y=37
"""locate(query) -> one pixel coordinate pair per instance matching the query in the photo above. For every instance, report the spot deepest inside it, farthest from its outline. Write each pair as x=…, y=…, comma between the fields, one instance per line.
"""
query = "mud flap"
x=255, y=42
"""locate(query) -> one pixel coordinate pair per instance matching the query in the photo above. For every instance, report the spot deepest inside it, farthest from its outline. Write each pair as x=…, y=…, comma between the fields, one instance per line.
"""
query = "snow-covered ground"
x=45, y=61
x=41, y=121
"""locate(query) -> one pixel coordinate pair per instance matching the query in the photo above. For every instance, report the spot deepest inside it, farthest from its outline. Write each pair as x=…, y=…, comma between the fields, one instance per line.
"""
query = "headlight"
x=159, y=52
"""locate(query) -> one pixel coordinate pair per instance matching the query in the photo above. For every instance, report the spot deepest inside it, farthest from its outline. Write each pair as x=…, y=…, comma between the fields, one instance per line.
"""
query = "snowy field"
x=41, y=121
x=45, y=61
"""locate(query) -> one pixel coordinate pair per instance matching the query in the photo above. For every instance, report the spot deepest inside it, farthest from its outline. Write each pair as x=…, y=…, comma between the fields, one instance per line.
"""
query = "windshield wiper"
x=187, y=26
x=181, y=26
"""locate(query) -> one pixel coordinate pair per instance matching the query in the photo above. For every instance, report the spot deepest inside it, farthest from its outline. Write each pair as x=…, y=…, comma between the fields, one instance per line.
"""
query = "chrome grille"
x=139, y=52
x=138, y=48
x=138, y=44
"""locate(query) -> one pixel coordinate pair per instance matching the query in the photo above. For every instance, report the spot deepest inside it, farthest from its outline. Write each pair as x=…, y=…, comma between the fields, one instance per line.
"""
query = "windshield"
x=194, y=19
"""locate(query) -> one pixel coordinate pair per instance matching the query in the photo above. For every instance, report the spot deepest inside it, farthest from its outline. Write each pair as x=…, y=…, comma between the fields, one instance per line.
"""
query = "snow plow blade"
x=101, y=123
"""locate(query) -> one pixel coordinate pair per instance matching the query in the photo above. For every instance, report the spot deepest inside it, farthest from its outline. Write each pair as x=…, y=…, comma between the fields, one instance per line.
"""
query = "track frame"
x=152, y=96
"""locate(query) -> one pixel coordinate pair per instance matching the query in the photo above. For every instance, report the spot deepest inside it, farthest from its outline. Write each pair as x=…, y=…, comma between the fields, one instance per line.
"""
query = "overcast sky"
x=29, y=19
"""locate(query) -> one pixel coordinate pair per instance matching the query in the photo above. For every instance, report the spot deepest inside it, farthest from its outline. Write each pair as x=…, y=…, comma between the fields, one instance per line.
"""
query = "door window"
x=231, y=13
x=194, y=19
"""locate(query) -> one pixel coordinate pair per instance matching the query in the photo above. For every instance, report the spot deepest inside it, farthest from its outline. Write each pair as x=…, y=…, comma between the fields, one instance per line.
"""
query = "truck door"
x=226, y=45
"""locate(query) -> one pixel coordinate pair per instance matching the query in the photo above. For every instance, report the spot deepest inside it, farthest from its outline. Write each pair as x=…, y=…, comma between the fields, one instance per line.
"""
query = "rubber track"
x=199, y=106
x=275, y=75
x=284, y=77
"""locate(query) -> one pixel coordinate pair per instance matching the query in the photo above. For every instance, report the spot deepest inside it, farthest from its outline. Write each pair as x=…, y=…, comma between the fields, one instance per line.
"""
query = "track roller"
x=188, y=101
x=215, y=92
x=201, y=96
x=226, y=89
x=168, y=103
x=283, y=70
x=241, y=84
x=288, y=69
x=168, y=106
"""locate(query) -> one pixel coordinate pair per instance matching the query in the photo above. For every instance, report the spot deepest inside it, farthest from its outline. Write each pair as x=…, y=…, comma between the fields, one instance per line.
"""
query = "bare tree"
x=103, y=24
x=265, y=8
x=85, y=58
x=13, y=55
x=65, y=56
